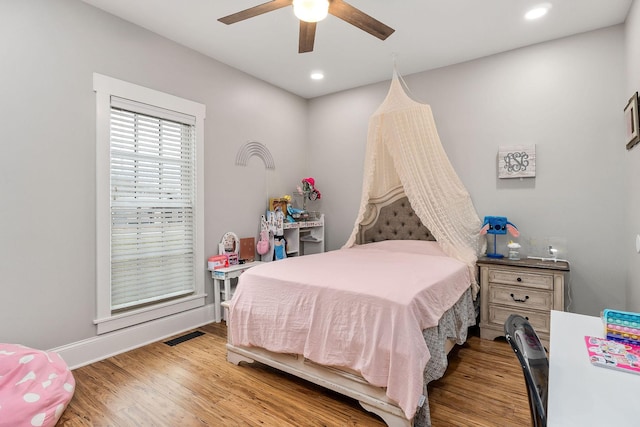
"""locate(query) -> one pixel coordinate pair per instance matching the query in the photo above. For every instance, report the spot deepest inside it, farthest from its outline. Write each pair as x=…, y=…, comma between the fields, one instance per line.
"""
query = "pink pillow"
x=35, y=386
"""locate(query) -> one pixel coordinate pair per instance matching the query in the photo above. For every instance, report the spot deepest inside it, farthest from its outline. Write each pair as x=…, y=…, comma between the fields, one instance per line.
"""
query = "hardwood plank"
x=192, y=384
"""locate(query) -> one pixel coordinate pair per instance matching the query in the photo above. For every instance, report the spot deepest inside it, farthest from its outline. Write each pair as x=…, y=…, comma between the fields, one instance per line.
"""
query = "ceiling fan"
x=302, y=9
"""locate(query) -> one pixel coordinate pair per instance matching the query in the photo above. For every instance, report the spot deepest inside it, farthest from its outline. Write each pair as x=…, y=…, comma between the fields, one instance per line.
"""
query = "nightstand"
x=529, y=287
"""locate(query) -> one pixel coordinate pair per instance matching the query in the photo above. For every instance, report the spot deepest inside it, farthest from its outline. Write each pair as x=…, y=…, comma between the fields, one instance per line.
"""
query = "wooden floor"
x=192, y=384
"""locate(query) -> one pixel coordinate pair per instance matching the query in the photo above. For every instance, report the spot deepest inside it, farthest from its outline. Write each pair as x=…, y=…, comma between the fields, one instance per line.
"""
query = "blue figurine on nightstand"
x=497, y=225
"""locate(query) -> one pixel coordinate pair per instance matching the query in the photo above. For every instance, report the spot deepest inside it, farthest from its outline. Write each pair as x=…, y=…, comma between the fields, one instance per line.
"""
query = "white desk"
x=224, y=275
x=581, y=394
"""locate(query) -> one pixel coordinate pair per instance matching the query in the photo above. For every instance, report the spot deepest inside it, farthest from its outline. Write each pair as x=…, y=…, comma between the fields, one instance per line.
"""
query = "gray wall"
x=632, y=163
x=566, y=97
x=48, y=53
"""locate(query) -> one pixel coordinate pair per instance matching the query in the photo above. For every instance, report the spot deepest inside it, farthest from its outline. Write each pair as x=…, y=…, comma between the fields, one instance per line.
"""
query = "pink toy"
x=613, y=354
x=218, y=261
x=263, y=244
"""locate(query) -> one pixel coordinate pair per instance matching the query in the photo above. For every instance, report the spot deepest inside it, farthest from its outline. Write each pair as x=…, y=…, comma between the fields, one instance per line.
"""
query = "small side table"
x=225, y=275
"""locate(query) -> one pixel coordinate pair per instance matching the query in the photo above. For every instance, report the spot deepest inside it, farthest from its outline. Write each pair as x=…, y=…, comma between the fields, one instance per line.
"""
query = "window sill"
x=124, y=320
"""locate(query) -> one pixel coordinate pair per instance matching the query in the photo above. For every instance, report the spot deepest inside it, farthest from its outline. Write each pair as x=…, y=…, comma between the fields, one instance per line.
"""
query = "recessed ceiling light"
x=317, y=75
x=537, y=12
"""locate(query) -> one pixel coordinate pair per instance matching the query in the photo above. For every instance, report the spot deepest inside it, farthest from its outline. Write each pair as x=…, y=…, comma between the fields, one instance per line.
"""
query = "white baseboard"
x=100, y=347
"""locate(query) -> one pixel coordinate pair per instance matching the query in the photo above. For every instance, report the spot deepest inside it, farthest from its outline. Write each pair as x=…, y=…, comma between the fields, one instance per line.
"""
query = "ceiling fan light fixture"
x=311, y=10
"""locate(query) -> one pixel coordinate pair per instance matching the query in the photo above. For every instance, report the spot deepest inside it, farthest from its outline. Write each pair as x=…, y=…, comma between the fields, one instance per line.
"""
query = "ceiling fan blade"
x=353, y=16
x=307, y=36
x=255, y=11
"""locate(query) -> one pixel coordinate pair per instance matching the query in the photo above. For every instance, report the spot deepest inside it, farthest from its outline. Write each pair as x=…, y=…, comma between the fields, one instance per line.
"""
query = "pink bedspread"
x=363, y=308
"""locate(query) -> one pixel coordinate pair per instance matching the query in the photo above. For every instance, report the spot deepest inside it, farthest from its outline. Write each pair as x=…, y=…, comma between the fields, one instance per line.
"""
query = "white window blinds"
x=152, y=176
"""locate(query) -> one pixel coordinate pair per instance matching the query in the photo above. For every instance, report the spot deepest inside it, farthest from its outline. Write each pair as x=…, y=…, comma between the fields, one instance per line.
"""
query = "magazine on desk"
x=613, y=354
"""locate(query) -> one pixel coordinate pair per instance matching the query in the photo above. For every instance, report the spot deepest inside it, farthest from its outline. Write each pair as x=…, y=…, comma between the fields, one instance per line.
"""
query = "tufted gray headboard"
x=391, y=217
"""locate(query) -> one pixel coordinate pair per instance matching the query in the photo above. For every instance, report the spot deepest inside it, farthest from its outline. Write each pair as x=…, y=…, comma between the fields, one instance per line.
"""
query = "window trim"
x=105, y=87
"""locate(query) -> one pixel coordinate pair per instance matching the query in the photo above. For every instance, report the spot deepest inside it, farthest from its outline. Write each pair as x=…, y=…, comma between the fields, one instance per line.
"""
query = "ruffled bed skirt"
x=454, y=324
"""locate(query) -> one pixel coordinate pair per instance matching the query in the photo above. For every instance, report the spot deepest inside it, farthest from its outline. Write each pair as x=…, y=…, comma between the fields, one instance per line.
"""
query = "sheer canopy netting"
x=404, y=150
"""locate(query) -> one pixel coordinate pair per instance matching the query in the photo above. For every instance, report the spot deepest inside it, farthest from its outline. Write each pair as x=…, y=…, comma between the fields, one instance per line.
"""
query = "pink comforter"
x=363, y=308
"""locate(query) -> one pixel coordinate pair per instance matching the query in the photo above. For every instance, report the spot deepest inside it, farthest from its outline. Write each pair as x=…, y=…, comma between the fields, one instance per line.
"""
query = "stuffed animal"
x=498, y=225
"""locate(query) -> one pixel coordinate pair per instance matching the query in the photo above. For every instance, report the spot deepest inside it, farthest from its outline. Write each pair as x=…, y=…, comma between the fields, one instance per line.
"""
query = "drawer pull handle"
x=526, y=297
x=519, y=279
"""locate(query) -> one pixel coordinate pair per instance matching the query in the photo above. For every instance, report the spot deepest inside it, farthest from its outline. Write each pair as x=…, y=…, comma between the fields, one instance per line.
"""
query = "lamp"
x=311, y=10
x=497, y=225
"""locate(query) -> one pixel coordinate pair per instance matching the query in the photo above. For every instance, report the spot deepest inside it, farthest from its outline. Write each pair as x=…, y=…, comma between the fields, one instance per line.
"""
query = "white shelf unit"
x=302, y=237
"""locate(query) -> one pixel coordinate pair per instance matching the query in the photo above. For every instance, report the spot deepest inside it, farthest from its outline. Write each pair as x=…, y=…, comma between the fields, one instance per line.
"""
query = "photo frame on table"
x=631, y=121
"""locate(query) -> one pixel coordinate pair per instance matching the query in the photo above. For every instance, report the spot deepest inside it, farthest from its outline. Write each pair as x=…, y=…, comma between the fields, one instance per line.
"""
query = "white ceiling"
x=429, y=34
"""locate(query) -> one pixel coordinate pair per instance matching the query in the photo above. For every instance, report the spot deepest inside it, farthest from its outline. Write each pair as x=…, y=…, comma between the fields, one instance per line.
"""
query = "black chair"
x=535, y=364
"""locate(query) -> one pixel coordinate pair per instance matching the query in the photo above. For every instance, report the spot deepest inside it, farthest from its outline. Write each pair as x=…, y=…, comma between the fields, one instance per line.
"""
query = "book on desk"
x=613, y=354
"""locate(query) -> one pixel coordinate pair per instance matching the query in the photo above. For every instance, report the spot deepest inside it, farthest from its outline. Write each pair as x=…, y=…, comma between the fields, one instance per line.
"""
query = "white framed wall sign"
x=517, y=161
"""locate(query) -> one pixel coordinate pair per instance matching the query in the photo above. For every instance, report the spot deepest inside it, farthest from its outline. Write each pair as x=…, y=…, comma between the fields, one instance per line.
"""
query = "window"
x=149, y=204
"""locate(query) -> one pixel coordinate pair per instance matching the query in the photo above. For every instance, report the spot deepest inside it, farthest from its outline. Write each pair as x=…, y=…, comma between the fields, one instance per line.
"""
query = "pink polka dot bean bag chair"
x=35, y=387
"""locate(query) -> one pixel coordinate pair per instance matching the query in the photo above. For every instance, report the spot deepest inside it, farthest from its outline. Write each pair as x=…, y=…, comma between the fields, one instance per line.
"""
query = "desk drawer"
x=521, y=277
x=540, y=320
x=521, y=297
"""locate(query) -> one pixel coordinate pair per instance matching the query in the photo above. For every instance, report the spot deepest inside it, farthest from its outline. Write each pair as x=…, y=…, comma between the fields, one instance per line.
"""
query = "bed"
x=360, y=321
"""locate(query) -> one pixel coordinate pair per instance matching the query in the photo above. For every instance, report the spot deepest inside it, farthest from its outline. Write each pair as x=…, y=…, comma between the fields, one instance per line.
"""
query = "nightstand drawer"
x=520, y=296
x=541, y=321
x=521, y=277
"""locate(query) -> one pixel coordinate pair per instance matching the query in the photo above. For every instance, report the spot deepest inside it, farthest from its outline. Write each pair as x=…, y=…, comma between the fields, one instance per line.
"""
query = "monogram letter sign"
x=517, y=161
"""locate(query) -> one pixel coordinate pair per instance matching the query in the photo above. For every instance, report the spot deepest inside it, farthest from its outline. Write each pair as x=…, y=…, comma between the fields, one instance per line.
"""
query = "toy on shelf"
x=229, y=247
x=217, y=261
x=296, y=214
x=497, y=225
